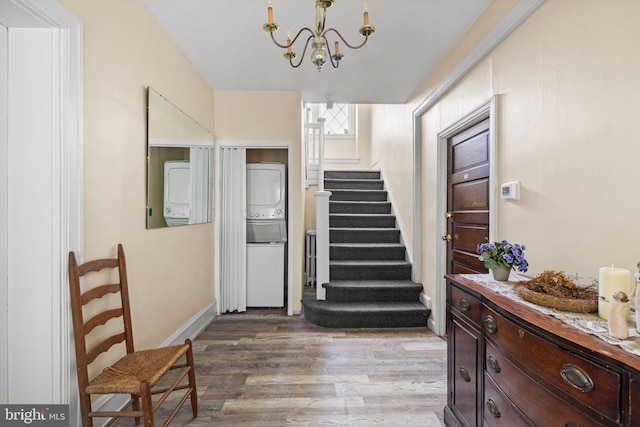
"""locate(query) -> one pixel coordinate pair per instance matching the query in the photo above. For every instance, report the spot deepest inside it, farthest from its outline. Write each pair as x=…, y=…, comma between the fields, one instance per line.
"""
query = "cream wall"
x=170, y=269
x=567, y=88
x=242, y=116
x=392, y=150
x=358, y=150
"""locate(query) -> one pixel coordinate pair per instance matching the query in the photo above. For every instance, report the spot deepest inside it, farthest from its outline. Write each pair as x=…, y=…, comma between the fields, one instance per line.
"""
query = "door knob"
x=447, y=237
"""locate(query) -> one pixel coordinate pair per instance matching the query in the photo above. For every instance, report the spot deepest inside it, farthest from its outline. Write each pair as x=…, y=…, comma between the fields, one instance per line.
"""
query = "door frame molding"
x=66, y=184
x=486, y=110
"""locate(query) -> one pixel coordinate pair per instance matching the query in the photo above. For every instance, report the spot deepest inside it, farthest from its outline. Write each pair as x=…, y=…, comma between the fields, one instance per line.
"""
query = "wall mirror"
x=179, y=166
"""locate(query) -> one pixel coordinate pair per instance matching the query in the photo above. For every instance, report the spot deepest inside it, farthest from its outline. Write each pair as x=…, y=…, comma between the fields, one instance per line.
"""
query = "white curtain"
x=201, y=162
x=233, y=257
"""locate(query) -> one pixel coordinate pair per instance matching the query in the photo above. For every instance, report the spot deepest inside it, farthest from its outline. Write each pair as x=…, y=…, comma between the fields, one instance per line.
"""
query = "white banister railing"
x=322, y=221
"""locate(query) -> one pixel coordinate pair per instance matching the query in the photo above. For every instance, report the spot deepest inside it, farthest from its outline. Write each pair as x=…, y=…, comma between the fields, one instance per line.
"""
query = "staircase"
x=370, y=283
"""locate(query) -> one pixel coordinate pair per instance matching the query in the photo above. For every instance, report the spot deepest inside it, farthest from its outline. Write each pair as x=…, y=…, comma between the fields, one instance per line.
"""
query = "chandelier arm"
x=285, y=46
x=306, y=45
x=343, y=40
x=337, y=62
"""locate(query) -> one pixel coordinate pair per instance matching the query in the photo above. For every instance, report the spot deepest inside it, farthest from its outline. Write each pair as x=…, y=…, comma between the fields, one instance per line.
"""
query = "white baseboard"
x=190, y=330
x=431, y=325
x=426, y=300
x=194, y=326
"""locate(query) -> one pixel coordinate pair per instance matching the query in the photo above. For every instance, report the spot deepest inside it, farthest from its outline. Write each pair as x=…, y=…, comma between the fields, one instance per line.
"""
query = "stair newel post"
x=322, y=242
x=322, y=222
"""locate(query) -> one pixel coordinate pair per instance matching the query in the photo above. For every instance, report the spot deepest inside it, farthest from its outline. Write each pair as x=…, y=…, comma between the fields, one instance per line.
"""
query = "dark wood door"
x=467, y=198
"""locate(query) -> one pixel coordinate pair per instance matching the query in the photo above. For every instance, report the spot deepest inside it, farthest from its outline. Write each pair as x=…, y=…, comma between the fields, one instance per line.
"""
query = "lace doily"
x=586, y=322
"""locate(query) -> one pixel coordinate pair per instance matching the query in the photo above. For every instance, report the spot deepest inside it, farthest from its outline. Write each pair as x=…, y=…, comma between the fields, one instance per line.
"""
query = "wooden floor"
x=263, y=368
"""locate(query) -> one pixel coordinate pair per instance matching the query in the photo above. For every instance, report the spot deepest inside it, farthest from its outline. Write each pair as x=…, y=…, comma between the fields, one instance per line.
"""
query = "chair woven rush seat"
x=128, y=373
x=136, y=373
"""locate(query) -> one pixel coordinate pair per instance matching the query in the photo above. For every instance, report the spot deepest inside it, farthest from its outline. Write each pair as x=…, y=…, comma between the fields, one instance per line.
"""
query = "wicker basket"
x=564, y=304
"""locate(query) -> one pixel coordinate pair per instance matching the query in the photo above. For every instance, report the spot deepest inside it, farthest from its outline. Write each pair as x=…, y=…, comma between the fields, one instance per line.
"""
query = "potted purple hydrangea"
x=502, y=257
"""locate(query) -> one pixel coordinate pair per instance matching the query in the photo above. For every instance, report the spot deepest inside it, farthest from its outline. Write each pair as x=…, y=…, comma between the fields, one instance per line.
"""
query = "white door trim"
x=488, y=109
x=66, y=217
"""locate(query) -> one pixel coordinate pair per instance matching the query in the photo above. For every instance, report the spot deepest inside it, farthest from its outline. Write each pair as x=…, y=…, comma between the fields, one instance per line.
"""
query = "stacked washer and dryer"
x=266, y=234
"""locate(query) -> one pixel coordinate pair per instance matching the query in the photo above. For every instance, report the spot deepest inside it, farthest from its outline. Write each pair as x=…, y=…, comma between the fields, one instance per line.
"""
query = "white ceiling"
x=225, y=41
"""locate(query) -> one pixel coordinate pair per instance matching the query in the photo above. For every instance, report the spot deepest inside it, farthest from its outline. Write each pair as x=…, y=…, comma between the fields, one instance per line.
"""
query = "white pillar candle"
x=611, y=280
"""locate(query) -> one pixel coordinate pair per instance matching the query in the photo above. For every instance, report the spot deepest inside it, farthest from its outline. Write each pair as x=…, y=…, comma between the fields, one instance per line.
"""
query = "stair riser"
x=352, y=174
x=349, y=272
x=371, y=295
x=360, y=208
x=372, y=319
x=367, y=253
x=330, y=184
x=338, y=221
x=364, y=236
x=358, y=195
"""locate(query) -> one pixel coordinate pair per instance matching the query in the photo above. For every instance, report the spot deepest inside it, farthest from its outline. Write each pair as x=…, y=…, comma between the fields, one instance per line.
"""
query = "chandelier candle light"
x=318, y=38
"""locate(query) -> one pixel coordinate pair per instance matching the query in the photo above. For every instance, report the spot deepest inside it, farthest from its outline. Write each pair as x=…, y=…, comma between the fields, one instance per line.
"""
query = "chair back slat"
x=101, y=319
x=99, y=292
x=97, y=265
x=104, y=346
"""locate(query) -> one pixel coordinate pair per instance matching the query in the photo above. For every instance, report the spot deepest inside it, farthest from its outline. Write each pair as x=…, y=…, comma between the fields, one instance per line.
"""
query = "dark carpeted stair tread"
x=360, y=207
x=367, y=245
x=352, y=215
x=363, y=235
x=332, y=314
x=373, y=290
x=369, y=270
x=378, y=263
x=405, y=284
x=358, y=195
x=367, y=251
x=359, y=220
x=352, y=173
x=365, y=184
x=368, y=306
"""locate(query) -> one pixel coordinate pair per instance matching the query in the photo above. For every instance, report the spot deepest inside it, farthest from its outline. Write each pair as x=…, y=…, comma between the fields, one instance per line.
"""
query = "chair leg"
x=192, y=380
x=85, y=408
x=135, y=406
x=147, y=405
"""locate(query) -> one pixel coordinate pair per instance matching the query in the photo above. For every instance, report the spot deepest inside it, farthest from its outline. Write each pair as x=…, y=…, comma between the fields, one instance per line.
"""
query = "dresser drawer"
x=594, y=385
x=546, y=408
x=465, y=304
x=498, y=410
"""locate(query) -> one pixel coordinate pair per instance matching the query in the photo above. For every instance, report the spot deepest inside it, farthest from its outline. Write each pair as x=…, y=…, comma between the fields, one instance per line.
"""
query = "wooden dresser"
x=511, y=365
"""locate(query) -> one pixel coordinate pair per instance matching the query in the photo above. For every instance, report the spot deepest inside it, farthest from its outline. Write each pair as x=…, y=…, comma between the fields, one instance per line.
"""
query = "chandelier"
x=318, y=38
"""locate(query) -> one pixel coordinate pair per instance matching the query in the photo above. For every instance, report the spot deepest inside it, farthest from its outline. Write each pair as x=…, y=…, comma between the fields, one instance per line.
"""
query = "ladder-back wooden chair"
x=138, y=372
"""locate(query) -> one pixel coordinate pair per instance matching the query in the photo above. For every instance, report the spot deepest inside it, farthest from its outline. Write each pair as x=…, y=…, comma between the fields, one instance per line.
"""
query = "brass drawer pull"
x=462, y=371
x=490, y=323
x=493, y=364
x=464, y=304
x=576, y=377
x=493, y=408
